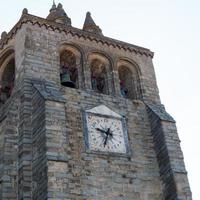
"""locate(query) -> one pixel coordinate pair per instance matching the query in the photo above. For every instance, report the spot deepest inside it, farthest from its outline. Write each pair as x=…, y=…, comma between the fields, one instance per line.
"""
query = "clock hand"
x=108, y=133
x=101, y=130
x=105, y=141
x=111, y=134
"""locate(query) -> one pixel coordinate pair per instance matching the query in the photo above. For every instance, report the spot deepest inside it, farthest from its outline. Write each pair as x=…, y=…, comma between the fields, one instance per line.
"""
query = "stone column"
x=87, y=74
x=116, y=83
x=111, y=88
x=81, y=81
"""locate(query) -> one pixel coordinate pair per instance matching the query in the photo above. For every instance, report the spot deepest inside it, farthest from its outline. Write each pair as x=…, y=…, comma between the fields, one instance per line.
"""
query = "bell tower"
x=81, y=117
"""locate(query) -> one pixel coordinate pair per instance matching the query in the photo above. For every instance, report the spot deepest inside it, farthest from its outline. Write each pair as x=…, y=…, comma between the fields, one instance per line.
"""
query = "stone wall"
x=63, y=169
x=57, y=154
x=98, y=176
x=25, y=141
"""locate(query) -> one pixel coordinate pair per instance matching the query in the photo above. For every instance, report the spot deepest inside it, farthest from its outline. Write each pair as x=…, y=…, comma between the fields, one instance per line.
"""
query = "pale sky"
x=170, y=28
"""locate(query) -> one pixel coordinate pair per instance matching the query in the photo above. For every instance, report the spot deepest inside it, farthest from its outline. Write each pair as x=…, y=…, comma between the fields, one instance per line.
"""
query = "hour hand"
x=101, y=130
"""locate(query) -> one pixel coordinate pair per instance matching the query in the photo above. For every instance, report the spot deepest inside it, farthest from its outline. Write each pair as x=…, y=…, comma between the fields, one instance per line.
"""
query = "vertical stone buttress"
x=169, y=154
x=50, y=166
x=39, y=166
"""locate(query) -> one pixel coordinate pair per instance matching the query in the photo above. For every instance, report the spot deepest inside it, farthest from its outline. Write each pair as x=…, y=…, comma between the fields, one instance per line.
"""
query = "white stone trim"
x=104, y=110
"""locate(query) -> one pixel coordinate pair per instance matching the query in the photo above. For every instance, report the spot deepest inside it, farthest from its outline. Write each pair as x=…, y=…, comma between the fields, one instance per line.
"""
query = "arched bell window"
x=129, y=80
x=7, y=77
x=68, y=69
x=99, y=76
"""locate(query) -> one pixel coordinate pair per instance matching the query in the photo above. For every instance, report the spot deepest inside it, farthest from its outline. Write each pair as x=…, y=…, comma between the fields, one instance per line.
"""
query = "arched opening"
x=7, y=79
x=99, y=79
x=68, y=69
x=129, y=81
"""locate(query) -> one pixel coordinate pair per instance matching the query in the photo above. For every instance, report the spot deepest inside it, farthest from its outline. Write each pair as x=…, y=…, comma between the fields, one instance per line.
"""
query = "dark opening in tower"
x=7, y=80
x=99, y=76
x=68, y=69
x=129, y=81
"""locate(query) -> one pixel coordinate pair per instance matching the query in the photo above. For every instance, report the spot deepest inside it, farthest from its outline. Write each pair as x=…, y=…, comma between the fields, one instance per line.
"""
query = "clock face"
x=105, y=134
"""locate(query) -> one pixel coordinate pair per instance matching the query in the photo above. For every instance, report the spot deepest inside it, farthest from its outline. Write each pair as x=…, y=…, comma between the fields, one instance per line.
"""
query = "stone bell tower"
x=81, y=117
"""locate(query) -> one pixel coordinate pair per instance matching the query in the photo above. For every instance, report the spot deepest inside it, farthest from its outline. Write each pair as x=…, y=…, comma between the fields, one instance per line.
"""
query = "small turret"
x=90, y=26
x=58, y=14
x=3, y=35
x=53, y=7
x=25, y=11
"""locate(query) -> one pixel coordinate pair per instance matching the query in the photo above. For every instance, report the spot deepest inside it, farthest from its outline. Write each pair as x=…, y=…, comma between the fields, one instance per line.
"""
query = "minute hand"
x=105, y=141
x=108, y=133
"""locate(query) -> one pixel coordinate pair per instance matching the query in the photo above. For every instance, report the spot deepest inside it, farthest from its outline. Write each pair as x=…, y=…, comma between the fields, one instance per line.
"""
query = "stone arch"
x=129, y=79
x=129, y=62
x=7, y=74
x=104, y=56
x=71, y=66
x=100, y=72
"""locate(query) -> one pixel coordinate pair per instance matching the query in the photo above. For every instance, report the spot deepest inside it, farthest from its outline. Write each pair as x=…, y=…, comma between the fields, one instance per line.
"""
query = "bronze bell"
x=66, y=81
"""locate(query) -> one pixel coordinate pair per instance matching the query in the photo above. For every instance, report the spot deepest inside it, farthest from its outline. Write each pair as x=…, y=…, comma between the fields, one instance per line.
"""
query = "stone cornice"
x=27, y=18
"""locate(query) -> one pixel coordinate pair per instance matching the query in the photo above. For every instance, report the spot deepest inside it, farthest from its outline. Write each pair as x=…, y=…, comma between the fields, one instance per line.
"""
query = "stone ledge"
x=48, y=90
x=58, y=158
x=160, y=111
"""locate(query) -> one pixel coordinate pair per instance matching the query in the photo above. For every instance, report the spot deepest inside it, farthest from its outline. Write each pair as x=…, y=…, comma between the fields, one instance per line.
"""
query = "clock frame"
x=105, y=132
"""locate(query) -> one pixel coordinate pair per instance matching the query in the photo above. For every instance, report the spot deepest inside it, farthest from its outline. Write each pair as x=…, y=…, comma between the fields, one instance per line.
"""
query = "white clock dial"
x=105, y=134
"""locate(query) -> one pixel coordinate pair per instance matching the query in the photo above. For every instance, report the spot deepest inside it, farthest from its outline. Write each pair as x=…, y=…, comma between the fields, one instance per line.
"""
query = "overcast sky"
x=170, y=28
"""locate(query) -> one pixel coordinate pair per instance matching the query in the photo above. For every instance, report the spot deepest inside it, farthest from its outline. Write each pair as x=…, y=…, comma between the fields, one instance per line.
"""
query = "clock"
x=105, y=131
